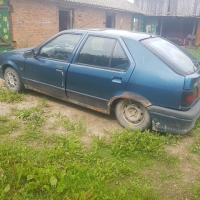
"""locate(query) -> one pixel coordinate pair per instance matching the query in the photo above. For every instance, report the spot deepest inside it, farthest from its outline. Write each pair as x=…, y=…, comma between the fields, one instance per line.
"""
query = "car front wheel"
x=12, y=80
x=132, y=114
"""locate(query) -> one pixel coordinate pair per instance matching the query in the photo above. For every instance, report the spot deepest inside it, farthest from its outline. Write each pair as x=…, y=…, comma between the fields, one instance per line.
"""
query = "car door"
x=47, y=71
x=100, y=71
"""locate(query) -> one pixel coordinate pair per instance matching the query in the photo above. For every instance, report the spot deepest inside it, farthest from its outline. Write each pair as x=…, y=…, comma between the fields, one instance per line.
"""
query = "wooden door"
x=5, y=40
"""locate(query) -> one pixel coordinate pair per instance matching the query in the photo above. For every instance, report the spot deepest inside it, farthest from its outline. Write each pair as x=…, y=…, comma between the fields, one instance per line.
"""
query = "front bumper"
x=174, y=121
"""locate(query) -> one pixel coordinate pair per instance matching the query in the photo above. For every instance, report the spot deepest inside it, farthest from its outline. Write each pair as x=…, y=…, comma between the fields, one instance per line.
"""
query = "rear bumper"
x=174, y=121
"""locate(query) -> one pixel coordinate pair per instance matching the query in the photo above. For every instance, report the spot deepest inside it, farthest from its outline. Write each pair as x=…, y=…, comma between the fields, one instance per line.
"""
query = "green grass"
x=10, y=97
x=33, y=120
x=196, y=192
x=69, y=126
x=7, y=124
x=195, y=52
x=36, y=165
x=49, y=160
x=63, y=168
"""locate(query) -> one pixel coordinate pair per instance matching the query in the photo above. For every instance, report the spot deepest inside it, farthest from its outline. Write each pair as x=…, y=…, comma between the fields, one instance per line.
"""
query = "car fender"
x=9, y=63
x=130, y=96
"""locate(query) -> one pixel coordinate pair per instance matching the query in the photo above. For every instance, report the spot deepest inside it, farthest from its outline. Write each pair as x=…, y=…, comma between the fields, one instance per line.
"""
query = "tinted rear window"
x=174, y=56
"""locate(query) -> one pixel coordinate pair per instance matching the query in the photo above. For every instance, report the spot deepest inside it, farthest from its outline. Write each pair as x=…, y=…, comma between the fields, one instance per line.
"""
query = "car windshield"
x=173, y=55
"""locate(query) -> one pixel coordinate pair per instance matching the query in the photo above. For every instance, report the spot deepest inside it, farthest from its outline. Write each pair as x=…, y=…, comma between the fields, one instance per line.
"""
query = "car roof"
x=114, y=32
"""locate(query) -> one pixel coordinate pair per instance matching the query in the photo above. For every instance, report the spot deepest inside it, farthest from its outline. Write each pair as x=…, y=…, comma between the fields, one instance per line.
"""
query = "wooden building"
x=177, y=20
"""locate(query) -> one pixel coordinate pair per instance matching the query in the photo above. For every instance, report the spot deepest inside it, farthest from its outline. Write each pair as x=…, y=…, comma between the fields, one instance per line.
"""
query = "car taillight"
x=190, y=96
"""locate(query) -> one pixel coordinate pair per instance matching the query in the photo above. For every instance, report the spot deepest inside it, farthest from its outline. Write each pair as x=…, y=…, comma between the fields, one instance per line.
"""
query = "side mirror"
x=34, y=53
x=29, y=54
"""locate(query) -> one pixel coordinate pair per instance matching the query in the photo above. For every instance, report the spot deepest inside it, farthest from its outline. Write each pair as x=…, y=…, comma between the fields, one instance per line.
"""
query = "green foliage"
x=195, y=192
x=76, y=127
x=195, y=52
x=33, y=115
x=10, y=97
x=195, y=147
x=7, y=125
x=33, y=120
x=136, y=143
x=65, y=170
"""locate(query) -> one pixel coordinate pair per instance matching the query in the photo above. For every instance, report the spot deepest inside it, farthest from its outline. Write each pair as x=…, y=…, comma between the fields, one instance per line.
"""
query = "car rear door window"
x=61, y=47
x=96, y=51
x=119, y=59
x=103, y=52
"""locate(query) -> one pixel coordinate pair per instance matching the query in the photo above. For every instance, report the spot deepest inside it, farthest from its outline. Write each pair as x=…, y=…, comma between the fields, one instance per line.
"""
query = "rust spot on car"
x=90, y=107
x=132, y=97
x=40, y=91
x=35, y=89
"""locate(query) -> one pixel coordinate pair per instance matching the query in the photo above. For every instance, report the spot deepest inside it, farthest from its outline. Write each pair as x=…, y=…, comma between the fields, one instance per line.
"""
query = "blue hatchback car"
x=148, y=81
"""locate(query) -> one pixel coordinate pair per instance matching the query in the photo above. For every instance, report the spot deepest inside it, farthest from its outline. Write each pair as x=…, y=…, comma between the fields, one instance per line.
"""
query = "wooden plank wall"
x=152, y=7
x=184, y=8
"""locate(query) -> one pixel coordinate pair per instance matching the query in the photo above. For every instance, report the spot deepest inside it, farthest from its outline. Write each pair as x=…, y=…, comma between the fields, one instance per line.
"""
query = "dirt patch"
x=96, y=123
x=188, y=164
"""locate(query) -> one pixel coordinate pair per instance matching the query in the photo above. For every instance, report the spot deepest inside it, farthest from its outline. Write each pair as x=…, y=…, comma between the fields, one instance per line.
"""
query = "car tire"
x=132, y=114
x=12, y=80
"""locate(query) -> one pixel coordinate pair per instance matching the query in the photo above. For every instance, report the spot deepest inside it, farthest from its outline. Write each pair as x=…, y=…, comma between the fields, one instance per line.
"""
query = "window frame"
x=113, y=49
x=70, y=33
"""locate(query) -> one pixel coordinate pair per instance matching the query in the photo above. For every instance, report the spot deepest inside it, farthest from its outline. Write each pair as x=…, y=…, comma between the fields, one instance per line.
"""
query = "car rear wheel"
x=132, y=114
x=12, y=80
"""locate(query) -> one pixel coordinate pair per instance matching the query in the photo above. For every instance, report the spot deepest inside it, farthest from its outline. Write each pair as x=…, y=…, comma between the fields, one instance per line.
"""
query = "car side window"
x=61, y=47
x=96, y=51
x=119, y=59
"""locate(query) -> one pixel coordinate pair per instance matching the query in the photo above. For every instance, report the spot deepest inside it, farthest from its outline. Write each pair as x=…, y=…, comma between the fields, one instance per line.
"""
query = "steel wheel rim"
x=11, y=80
x=133, y=113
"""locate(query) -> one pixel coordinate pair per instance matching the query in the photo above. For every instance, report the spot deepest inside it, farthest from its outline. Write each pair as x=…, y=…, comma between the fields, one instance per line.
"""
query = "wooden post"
x=194, y=27
x=197, y=42
x=161, y=27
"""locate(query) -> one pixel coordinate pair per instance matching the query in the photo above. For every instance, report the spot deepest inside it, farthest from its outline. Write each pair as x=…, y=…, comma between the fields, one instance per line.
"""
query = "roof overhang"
x=118, y=5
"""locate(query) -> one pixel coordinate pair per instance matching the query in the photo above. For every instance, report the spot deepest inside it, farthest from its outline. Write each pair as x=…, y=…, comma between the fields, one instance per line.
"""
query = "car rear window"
x=177, y=58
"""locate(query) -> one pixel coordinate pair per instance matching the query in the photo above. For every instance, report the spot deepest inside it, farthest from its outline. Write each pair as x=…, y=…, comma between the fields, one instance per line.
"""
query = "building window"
x=65, y=19
x=110, y=20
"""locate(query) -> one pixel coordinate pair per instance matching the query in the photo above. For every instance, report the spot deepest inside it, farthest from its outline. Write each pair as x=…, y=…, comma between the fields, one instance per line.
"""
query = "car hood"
x=22, y=50
x=14, y=52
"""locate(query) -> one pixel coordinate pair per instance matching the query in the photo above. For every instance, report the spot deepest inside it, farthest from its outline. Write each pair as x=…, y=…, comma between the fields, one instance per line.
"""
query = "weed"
x=65, y=170
x=172, y=139
x=76, y=127
x=32, y=115
x=195, y=147
x=196, y=192
x=33, y=120
x=7, y=125
x=10, y=97
x=136, y=143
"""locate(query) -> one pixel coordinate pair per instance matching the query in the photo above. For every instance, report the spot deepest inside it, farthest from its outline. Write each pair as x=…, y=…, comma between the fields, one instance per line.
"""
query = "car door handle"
x=116, y=79
x=59, y=67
